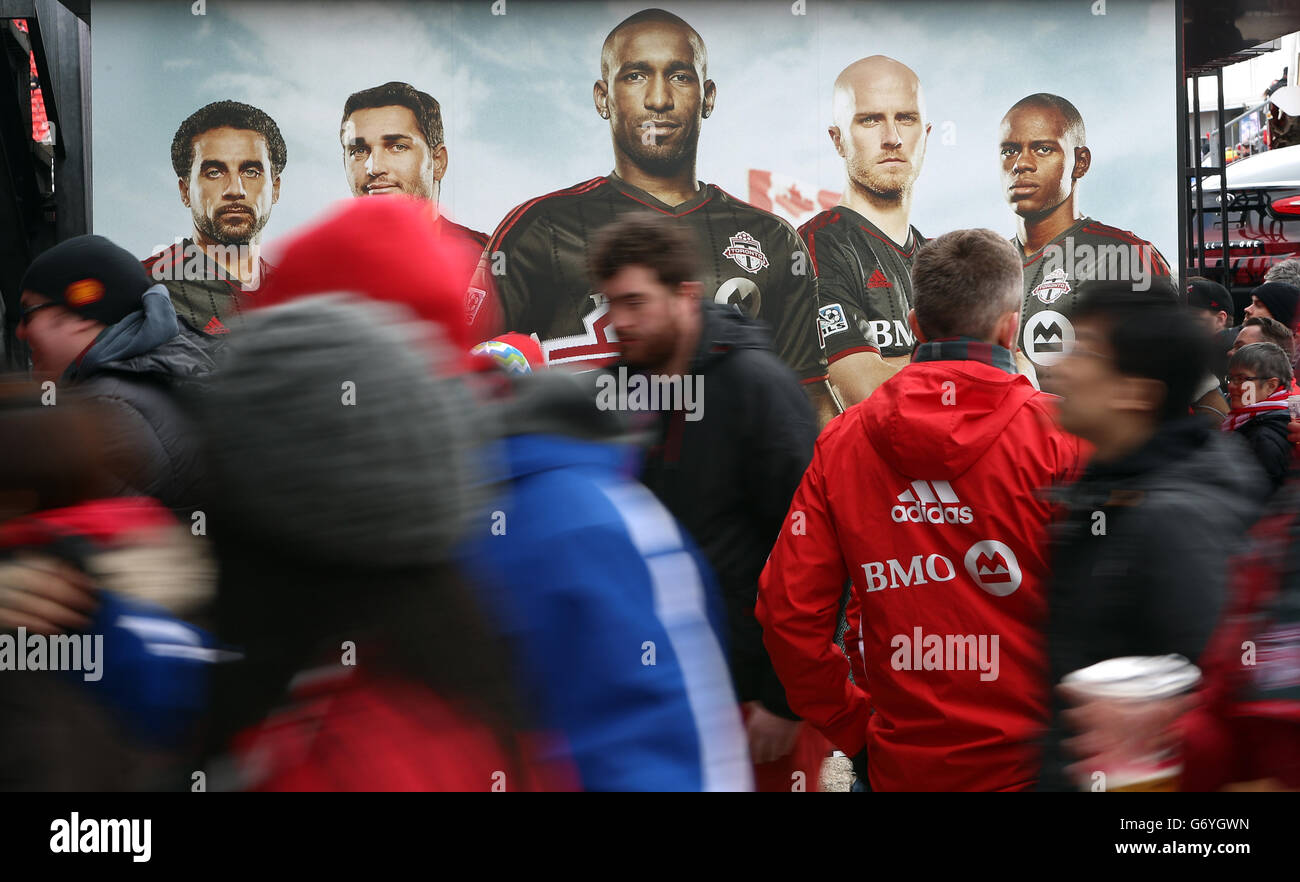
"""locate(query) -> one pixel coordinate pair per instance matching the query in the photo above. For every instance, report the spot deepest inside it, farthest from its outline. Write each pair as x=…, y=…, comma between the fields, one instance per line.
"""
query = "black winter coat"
x=152, y=438
x=1140, y=557
x=1266, y=435
x=729, y=476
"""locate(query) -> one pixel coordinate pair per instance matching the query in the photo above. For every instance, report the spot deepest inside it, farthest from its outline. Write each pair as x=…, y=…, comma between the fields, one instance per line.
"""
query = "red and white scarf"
x=1239, y=416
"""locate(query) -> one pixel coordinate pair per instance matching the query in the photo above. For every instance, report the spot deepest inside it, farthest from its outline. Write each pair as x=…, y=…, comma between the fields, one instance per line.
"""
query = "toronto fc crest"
x=746, y=252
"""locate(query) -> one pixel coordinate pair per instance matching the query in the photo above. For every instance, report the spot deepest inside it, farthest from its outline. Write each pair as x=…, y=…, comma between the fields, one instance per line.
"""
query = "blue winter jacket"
x=610, y=613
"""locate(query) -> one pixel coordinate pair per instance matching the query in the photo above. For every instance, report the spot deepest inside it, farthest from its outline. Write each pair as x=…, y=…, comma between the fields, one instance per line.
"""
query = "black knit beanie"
x=90, y=276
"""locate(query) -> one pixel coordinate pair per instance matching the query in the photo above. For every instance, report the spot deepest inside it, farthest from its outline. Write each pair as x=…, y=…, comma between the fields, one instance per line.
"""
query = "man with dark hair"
x=925, y=495
x=1139, y=564
x=1259, y=384
x=228, y=157
x=1275, y=300
x=1211, y=303
x=1258, y=329
x=655, y=91
x=745, y=400
x=393, y=143
x=1043, y=145
x=863, y=248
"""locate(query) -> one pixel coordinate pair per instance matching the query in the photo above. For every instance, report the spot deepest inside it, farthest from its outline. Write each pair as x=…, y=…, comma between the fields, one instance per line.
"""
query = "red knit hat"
x=384, y=248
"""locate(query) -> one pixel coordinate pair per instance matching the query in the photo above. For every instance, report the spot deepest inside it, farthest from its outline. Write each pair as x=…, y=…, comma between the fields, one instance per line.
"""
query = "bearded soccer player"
x=228, y=158
x=655, y=92
x=1043, y=145
x=864, y=247
x=393, y=144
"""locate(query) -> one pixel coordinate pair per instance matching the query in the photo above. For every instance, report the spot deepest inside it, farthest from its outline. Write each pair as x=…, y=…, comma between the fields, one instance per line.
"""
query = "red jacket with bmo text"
x=925, y=496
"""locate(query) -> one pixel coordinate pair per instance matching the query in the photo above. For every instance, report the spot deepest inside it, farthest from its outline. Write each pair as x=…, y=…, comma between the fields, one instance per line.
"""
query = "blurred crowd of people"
x=348, y=546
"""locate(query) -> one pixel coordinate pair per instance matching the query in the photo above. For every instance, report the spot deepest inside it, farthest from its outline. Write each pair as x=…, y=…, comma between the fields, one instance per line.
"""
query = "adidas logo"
x=878, y=280
x=215, y=327
x=931, y=502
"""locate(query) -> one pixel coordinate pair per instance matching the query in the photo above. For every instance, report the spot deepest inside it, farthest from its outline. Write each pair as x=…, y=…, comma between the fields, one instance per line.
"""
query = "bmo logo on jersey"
x=886, y=335
x=930, y=502
x=741, y=295
x=922, y=568
x=991, y=565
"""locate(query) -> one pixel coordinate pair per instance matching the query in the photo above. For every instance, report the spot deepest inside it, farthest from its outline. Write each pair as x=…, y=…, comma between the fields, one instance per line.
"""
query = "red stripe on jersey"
x=811, y=380
x=831, y=359
x=669, y=213
x=1099, y=229
x=808, y=230
x=170, y=253
x=890, y=242
x=513, y=217
x=1156, y=264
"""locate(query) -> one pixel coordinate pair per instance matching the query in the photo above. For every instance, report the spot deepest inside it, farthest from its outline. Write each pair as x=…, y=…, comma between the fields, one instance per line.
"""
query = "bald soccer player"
x=655, y=91
x=864, y=247
x=1044, y=153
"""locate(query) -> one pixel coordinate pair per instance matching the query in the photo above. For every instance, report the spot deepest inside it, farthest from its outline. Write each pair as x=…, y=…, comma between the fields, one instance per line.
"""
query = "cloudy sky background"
x=516, y=96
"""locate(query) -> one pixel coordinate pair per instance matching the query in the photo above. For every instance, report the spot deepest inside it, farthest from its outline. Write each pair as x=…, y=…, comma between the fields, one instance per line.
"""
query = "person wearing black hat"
x=1211, y=304
x=97, y=325
x=1275, y=300
x=1214, y=302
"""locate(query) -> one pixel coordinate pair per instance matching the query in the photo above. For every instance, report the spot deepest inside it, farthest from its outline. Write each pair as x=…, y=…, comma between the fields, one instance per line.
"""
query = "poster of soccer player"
x=827, y=138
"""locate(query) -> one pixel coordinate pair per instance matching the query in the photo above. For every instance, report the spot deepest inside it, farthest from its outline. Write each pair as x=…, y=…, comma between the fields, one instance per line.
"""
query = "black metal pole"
x=1223, y=187
x=1200, y=190
x=1184, y=158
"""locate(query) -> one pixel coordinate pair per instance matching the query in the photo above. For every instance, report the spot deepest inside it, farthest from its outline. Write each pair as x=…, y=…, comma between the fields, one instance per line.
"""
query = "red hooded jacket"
x=924, y=495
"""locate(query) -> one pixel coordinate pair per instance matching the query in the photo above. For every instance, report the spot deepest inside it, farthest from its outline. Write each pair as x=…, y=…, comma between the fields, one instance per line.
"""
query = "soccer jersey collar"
x=1078, y=225
x=861, y=220
x=702, y=195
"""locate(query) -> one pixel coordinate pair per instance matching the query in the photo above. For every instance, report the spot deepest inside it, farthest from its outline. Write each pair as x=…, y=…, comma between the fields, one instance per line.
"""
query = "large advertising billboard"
x=997, y=87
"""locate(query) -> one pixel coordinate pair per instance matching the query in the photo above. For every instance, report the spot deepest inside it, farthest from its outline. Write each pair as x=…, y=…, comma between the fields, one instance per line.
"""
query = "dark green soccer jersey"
x=864, y=284
x=1087, y=251
x=206, y=297
x=750, y=259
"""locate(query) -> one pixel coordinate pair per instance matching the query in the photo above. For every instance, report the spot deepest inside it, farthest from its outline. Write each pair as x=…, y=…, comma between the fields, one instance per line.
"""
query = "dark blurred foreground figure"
x=727, y=452
x=604, y=602
x=118, y=576
x=101, y=330
x=1140, y=563
x=1259, y=383
x=1241, y=729
x=925, y=496
x=345, y=450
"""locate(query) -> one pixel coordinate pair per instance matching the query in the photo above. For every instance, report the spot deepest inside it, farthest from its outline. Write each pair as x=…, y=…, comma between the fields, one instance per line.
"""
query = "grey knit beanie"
x=339, y=432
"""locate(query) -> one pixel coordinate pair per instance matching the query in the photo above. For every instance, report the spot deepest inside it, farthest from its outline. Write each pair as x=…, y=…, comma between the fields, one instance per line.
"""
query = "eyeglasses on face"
x=27, y=311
